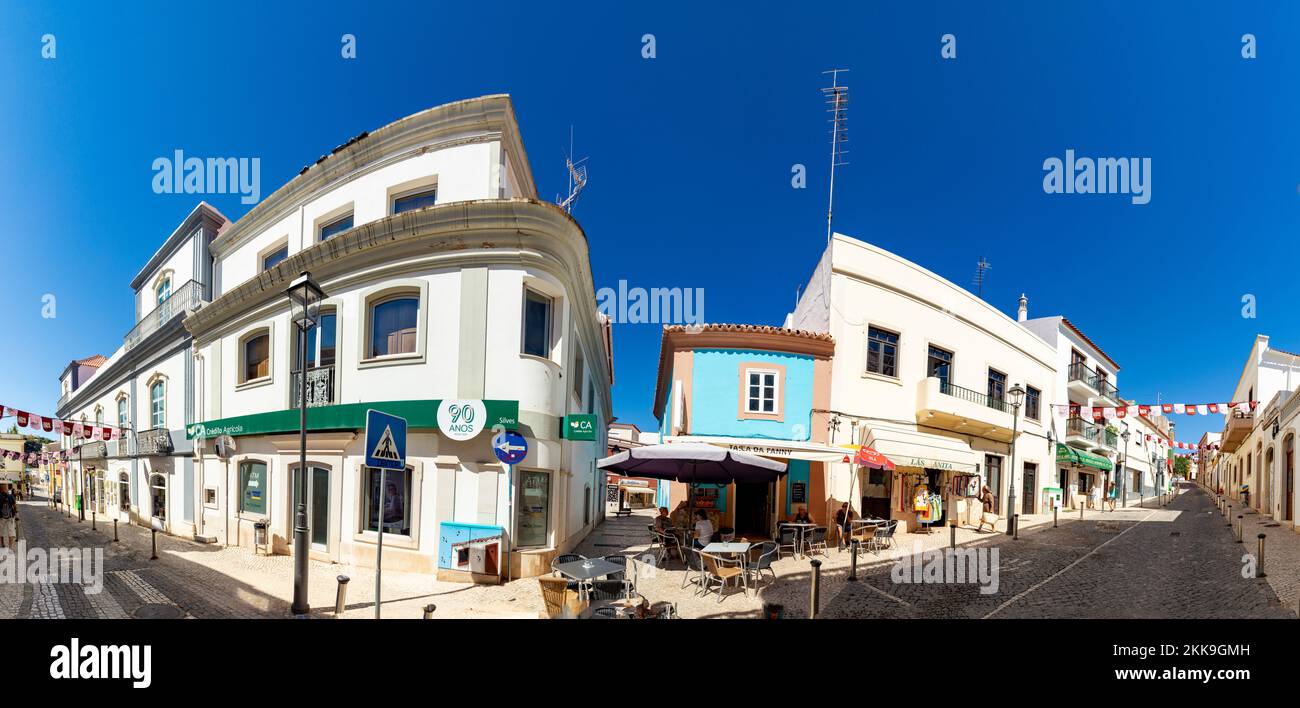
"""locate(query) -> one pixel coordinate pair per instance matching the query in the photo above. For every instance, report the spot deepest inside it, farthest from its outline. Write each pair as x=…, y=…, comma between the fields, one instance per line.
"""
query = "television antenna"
x=577, y=177
x=837, y=102
x=981, y=271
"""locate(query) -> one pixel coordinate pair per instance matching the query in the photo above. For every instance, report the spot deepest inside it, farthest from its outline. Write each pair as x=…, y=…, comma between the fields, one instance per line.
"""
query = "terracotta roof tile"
x=758, y=329
x=96, y=361
x=1091, y=343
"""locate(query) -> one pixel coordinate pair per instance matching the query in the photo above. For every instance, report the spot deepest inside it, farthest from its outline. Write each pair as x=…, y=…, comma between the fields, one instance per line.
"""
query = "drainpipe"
x=198, y=443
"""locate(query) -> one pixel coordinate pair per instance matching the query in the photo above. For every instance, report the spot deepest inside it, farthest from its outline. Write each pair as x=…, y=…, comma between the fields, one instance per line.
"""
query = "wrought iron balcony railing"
x=185, y=299
x=967, y=394
x=320, y=387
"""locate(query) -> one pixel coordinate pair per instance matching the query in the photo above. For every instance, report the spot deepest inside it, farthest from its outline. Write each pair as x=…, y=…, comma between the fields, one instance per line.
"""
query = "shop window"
x=253, y=486
x=255, y=352
x=993, y=474
x=537, y=324
x=158, y=495
x=124, y=492
x=396, y=500
x=534, y=508
x=882, y=352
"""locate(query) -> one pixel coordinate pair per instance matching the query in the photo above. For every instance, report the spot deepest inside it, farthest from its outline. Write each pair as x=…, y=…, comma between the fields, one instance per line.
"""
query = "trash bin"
x=259, y=533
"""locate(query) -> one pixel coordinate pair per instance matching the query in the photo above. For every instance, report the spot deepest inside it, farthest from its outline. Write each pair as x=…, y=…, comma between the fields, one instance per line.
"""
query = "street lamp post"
x=1123, y=491
x=304, y=309
x=1016, y=392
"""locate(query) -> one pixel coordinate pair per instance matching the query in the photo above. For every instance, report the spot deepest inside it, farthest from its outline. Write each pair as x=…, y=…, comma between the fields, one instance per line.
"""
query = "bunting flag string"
x=72, y=428
x=1100, y=413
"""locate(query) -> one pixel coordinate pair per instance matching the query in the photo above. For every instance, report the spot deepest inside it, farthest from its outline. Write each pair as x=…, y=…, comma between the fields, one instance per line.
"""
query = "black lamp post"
x=1016, y=392
x=304, y=309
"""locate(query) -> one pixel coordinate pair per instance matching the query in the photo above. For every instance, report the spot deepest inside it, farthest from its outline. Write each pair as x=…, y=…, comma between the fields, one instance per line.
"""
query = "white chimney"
x=1023, y=313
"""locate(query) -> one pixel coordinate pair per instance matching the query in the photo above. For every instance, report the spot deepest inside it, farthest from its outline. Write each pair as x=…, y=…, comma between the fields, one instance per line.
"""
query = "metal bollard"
x=1240, y=524
x=92, y=518
x=853, y=566
x=1081, y=511
x=1142, y=499
x=153, y=543
x=341, y=597
x=814, y=592
x=114, y=530
x=952, y=535
x=1229, y=515
x=428, y=611
x=1259, y=567
x=1056, y=511
x=1015, y=527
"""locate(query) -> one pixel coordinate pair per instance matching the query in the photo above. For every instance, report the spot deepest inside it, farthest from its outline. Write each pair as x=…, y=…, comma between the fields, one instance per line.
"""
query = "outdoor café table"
x=873, y=523
x=727, y=547
x=799, y=528
x=584, y=571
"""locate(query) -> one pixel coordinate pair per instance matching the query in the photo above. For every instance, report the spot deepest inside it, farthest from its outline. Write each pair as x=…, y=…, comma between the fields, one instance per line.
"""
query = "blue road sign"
x=510, y=447
x=385, y=440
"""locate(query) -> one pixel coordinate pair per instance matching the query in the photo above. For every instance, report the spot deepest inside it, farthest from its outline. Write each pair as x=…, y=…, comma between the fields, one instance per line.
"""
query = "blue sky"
x=691, y=154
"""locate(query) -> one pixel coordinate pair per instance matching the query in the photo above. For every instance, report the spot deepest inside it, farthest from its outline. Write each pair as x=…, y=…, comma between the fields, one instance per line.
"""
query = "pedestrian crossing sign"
x=385, y=440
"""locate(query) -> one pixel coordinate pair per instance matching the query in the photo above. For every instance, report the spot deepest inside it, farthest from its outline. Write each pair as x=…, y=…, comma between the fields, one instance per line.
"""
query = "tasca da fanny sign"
x=459, y=419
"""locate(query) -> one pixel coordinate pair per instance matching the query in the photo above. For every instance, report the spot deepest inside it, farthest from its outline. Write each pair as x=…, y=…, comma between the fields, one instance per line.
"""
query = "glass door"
x=318, y=506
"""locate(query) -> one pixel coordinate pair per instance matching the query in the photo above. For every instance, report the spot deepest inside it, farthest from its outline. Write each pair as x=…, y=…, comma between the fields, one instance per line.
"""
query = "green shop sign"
x=349, y=416
x=579, y=426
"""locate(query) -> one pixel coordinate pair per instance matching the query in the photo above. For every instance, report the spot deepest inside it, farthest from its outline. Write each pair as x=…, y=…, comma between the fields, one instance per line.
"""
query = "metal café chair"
x=765, y=552
x=567, y=558
x=816, y=540
x=884, y=537
x=605, y=613
x=694, y=569
x=787, y=537
x=720, y=571
x=671, y=545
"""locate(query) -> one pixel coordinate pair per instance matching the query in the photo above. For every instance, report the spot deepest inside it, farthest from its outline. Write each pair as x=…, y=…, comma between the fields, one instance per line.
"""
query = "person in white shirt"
x=703, y=529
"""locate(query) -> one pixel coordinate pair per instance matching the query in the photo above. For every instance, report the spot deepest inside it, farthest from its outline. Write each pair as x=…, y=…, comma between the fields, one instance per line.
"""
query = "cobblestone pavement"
x=1179, y=560
x=1176, y=561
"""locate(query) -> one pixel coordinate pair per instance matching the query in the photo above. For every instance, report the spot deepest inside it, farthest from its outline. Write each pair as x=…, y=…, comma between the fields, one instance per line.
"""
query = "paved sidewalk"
x=1281, y=549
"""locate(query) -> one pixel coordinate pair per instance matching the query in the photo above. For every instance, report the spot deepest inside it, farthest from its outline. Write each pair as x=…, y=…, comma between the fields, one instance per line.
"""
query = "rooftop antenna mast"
x=577, y=177
x=981, y=269
x=837, y=104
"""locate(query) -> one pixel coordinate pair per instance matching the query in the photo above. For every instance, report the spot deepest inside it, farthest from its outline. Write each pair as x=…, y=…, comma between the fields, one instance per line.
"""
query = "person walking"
x=8, y=516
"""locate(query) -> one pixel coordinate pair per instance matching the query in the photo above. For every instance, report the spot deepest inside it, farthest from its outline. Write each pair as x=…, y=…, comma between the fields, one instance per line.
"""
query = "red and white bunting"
x=1100, y=413
x=71, y=428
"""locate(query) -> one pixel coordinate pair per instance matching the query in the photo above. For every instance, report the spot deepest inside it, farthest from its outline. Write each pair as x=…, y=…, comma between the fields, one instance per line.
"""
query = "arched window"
x=158, y=495
x=158, y=405
x=164, y=290
x=124, y=492
x=255, y=356
x=393, y=323
x=121, y=412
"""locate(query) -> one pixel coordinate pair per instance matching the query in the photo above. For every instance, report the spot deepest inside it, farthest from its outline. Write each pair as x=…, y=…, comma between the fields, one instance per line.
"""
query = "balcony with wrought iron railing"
x=320, y=387
x=942, y=404
x=183, y=300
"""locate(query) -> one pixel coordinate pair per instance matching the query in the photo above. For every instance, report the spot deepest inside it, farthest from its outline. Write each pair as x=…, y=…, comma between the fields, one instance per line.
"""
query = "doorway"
x=752, y=508
x=1030, y=486
x=318, y=506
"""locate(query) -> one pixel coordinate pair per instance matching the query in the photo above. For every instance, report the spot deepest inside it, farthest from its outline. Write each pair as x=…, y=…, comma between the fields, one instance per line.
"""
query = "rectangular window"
x=253, y=486
x=270, y=260
x=394, y=325
x=157, y=405
x=396, y=500
x=579, y=364
x=939, y=366
x=760, y=391
x=1032, y=408
x=997, y=387
x=882, y=352
x=419, y=200
x=335, y=227
x=322, y=342
x=537, y=324
x=993, y=477
x=257, y=357
x=534, y=508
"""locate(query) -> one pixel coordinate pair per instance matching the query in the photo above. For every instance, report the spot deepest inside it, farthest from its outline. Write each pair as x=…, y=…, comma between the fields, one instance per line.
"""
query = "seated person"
x=844, y=518
x=663, y=522
x=802, y=517
x=703, y=529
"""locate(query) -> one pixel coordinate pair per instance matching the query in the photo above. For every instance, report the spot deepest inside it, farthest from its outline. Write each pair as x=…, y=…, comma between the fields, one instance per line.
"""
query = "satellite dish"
x=225, y=446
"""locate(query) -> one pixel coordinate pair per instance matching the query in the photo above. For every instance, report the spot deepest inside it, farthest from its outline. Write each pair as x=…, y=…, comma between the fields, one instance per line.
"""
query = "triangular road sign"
x=386, y=448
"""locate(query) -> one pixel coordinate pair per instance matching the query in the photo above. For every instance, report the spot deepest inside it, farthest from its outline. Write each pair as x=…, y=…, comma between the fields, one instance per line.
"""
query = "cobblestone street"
x=1180, y=560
